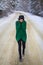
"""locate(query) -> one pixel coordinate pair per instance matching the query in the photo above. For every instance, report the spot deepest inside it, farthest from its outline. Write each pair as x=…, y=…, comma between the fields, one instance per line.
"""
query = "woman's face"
x=21, y=20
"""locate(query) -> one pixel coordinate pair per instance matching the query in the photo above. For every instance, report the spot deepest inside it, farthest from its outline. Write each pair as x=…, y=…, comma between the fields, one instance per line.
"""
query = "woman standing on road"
x=21, y=35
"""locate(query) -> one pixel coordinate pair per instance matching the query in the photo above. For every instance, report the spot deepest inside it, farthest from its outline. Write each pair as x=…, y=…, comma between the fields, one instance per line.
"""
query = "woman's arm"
x=24, y=26
x=17, y=25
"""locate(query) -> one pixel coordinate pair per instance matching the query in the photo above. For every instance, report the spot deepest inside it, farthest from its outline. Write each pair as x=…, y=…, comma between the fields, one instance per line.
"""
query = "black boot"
x=20, y=59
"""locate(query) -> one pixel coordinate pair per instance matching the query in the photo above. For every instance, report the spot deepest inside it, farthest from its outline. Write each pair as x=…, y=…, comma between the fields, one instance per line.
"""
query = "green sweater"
x=21, y=31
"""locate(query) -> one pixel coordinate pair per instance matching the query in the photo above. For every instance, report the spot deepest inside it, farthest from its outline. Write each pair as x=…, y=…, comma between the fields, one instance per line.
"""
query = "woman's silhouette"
x=21, y=35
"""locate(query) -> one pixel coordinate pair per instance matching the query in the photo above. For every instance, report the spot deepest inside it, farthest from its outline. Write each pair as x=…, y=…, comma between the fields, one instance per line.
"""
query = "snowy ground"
x=8, y=43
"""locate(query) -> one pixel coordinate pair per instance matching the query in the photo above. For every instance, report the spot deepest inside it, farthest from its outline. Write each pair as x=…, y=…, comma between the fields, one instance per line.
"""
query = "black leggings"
x=21, y=43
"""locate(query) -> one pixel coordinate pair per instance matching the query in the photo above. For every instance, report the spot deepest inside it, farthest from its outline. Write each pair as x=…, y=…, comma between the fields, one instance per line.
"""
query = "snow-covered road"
x=8, y=43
